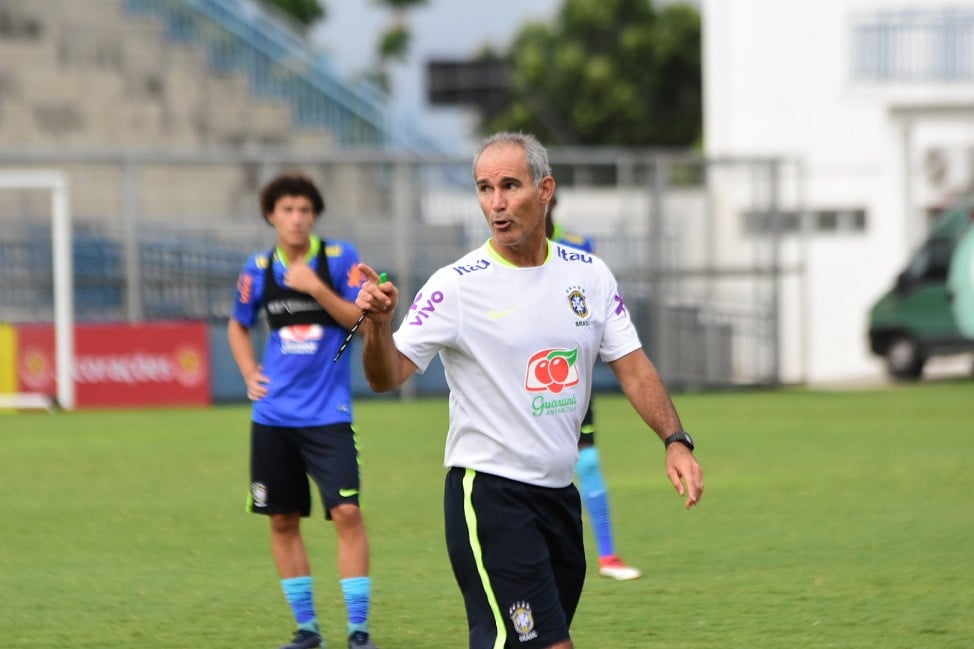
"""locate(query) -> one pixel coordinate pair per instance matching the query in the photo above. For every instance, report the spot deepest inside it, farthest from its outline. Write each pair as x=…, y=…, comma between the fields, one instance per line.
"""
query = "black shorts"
x=518, y=556
x=282, y=459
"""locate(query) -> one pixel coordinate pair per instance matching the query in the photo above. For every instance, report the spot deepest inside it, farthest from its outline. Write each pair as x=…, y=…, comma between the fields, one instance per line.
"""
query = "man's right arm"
x=241, y=348
x=386, y=368
x=246, y=303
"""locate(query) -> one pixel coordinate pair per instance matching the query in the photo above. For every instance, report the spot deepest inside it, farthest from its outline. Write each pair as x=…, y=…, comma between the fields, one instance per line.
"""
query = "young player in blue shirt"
x=592, y=486
x=302, y=414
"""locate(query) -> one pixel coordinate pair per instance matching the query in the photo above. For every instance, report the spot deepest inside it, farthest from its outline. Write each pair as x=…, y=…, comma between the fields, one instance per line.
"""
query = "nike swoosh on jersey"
x=494, y=314
x=347, y=493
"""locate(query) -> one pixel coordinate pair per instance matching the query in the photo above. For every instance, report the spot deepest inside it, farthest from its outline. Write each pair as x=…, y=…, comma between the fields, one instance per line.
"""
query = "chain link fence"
x=714, y=288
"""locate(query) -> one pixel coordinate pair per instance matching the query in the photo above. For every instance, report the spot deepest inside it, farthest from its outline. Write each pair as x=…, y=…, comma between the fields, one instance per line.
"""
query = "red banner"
x=152, y=364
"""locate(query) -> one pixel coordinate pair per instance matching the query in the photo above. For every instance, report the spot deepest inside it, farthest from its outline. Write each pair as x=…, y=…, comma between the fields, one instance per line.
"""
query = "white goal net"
x=55, y=184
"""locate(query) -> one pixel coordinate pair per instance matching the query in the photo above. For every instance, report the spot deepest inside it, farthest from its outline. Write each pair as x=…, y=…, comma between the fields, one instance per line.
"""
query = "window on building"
x=917, y=45
x=820, y=221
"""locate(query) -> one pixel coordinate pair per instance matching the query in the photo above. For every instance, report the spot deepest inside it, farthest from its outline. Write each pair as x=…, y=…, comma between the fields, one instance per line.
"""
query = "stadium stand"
x=172, y=73
x=99, y=80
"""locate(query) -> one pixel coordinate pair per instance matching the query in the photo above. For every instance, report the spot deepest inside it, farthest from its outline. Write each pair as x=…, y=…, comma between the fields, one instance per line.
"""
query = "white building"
x=875, y=101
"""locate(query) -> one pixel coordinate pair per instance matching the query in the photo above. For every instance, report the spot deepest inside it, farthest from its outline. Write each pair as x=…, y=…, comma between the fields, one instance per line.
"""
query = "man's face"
x=292, y=218
x=513, y=205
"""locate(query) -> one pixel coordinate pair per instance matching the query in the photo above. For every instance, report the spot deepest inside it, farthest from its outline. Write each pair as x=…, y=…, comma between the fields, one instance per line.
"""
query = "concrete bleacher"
x=93, y=84
x=122, y=75
x=88, y=74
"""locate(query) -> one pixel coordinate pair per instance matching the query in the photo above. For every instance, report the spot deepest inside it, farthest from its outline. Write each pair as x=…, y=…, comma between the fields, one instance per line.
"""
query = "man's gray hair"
x=534, y=152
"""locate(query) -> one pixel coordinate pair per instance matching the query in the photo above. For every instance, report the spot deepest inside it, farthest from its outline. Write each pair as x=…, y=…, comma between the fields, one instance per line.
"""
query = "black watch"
x=680, y=436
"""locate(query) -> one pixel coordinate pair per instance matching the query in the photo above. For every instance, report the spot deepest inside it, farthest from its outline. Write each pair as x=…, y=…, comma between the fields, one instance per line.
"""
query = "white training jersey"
x=518, y=347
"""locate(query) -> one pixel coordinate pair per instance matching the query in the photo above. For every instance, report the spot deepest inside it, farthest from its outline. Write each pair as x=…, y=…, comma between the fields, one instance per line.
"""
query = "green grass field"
x=830, y=520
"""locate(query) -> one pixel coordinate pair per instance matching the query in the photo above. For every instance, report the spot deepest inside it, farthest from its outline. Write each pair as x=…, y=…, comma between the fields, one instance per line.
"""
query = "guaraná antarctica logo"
x=552, y=370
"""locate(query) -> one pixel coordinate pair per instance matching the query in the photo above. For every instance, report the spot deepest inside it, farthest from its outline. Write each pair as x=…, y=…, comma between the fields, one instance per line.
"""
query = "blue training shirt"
x=571, y=239
x=306, y=387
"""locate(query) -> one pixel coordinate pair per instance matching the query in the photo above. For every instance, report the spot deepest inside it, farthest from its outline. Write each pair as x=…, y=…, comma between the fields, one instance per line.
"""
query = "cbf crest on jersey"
x=523, y=620
x=579, y=305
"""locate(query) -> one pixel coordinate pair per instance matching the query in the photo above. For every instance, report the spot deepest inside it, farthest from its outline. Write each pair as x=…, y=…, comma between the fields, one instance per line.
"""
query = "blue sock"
x=298, y=592
x=595, y=497
x=357, y=591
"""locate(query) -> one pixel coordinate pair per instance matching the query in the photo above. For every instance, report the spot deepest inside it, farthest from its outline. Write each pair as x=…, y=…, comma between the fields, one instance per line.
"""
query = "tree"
x=607, y=72
x=305, y=12
x=392, y=44
x=394, y=41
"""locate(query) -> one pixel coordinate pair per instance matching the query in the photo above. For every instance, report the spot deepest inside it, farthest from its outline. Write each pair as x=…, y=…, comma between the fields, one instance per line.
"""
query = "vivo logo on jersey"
x=620, y=304
x=469, y=268
x=574, y=255
x=424, y=310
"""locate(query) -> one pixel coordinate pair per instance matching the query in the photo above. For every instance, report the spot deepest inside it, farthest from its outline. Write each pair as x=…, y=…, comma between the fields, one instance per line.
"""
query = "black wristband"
x=682, y=437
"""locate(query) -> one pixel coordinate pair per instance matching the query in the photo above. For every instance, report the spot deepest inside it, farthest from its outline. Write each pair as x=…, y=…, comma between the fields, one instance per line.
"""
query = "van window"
x=932, y=261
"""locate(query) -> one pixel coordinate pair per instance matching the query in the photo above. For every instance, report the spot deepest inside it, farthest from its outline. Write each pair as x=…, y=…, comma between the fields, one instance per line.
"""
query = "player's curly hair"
x=290, y=184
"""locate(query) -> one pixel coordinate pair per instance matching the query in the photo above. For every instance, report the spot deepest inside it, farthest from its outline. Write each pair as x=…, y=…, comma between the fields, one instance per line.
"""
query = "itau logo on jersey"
x=552, y=370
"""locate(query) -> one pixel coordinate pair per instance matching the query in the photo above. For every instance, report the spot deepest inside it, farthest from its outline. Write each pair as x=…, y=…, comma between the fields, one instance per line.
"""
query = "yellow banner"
x=8, y=359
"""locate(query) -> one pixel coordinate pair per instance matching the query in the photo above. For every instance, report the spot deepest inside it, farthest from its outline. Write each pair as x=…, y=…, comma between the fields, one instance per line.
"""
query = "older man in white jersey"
x=519, y=324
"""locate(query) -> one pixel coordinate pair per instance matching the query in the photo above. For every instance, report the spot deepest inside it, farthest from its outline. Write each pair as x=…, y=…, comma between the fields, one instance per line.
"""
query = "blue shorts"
x=518, y=556
x=282, y=459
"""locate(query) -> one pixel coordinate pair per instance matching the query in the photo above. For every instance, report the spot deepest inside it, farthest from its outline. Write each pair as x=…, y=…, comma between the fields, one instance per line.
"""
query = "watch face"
x=682, y=437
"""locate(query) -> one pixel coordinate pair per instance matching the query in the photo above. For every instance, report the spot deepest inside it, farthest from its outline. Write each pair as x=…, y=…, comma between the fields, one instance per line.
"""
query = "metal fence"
x=909, y=45
x=162, y=236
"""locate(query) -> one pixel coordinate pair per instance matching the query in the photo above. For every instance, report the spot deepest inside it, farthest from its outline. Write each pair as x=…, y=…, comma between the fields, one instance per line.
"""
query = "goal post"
x=63, y=273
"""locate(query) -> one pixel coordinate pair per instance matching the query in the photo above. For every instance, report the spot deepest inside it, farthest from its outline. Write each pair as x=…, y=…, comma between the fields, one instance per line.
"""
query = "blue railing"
x=914, y=46
x=184, y=276
x=241, y=37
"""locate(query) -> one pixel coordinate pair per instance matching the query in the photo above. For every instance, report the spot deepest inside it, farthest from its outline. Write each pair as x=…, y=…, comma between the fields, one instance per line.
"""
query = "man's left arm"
x=644, y=388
